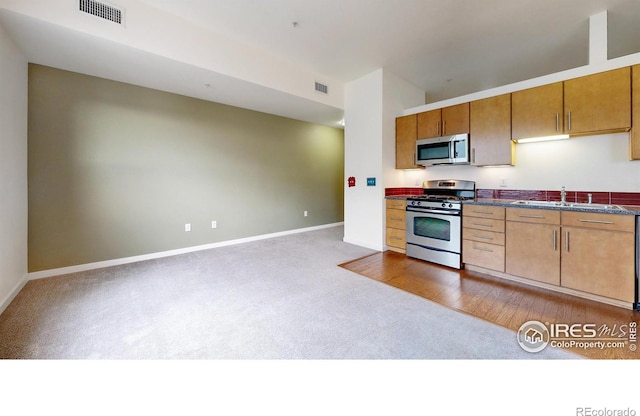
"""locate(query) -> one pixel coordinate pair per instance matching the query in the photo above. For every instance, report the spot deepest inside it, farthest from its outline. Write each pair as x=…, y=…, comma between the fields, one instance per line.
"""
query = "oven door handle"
x=434, y=211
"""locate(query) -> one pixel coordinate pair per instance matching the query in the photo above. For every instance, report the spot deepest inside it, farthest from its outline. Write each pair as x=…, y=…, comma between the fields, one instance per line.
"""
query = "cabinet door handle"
x=395, y=238
x=483, y=212
x=541, y=217
x=555, y=240
x=438, y=128
x=444, y=127
x=482, y=225
x=566, y=241
x=568, y=120
x=395, y=219
x=596, y=221
x=557, y=122
x=473, y=155
x=483, y=237
x=483, y=249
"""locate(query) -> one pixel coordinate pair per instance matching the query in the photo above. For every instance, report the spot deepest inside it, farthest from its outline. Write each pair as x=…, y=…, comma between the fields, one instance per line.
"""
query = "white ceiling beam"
x=598, y=38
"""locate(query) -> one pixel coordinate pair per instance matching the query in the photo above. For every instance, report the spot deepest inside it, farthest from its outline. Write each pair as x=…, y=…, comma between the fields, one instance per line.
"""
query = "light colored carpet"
x=282, y=298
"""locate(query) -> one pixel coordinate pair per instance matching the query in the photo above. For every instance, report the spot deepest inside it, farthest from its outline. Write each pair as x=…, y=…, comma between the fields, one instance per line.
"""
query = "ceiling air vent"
x=102, y=10
x=322, y=88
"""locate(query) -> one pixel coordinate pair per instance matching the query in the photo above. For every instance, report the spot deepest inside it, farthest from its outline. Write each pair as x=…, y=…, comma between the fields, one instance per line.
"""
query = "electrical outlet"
x=214, y=224
x=306, y=213
x=187, y=227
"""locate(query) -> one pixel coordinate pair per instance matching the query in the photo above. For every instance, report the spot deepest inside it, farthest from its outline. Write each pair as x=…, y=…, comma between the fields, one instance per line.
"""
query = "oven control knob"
x=450, y=205
x=418, y=203
x=444, y=205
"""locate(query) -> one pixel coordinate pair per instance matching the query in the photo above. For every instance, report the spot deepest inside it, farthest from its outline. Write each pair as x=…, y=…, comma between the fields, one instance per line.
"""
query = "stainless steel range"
x=434, y=221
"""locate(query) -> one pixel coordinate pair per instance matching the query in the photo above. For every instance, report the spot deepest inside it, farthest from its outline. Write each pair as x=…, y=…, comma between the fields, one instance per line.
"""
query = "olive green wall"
x=117, y=170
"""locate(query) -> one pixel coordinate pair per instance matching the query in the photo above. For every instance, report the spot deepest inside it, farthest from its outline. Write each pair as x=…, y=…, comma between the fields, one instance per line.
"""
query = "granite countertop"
x=401, y=197
x=628, y=209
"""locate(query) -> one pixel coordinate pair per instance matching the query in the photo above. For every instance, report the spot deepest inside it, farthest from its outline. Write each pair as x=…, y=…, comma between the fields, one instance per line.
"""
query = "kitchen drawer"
x=397, y=238
x=599, y=221
x=537, y=216
x=483, y=224
x=396, y=204
x=483, y=236
x=396, y=219
x=488, y=256
x=483, y=211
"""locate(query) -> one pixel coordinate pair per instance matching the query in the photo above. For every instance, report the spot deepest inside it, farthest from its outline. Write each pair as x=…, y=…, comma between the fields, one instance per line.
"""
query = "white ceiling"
x=448, y=48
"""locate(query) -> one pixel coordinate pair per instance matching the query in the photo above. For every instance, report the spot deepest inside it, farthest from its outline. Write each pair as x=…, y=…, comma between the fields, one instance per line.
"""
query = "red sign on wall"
x=351, y=181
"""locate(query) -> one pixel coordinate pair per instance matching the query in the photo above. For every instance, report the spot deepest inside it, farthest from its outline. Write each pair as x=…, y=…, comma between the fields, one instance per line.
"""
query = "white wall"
x=363, y=158
x=589, y=163
x=13, y=169
x=398, y=94
x=371, y=105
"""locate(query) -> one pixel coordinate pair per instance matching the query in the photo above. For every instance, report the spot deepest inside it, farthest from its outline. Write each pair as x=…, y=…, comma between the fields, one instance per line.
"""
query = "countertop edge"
x=508, y=203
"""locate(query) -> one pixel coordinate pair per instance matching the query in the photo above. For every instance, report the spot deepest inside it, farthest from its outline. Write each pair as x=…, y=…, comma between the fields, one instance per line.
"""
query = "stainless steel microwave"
x=447, y=150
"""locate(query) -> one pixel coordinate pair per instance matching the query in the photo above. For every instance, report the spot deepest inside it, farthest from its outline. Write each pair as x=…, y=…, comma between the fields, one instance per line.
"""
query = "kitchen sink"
x=569, y=205
x=539, y=203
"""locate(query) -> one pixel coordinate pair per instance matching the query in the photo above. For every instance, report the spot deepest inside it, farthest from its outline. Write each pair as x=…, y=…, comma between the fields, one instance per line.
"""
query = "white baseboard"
x=364, y=244
x=126, y=260
x=13, y=293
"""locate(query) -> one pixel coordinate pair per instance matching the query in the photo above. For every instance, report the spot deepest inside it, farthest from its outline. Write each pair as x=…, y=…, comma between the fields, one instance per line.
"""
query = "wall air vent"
x=322, y=88
x=102, y=10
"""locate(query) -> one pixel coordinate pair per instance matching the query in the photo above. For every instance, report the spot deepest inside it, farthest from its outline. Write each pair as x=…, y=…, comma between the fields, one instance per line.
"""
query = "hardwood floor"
x=505, y=303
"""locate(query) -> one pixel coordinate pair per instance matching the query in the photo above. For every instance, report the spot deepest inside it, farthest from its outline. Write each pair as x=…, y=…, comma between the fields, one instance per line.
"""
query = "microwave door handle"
x=452, y=149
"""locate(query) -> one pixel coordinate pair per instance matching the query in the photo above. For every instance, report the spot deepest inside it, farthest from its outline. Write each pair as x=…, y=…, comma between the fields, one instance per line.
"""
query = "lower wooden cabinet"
x=533, y=244
x=487, y=256
x=396, y=230
x=483, y=236
x=581, y=253
x=598, y=254
x=589, y=252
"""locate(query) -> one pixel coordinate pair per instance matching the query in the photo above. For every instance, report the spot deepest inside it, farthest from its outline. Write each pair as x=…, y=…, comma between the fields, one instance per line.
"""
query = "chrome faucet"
x=589, y=198
x=563, y=196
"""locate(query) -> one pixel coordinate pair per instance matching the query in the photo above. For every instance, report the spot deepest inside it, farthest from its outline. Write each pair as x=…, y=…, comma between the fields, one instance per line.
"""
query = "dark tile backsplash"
x=402, y=191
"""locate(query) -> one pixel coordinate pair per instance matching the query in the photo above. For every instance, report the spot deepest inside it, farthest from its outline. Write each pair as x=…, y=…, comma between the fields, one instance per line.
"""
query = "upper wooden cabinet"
x=429, y=123
x=598, y=103
x=406, y=134
x=490, y=131
x=634, y=144
x=593, y=104
x=537, y=112
x=443, y=122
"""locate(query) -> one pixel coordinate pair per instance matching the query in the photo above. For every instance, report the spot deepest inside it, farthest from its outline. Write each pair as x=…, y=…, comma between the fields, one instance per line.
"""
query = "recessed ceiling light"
x=295, y=24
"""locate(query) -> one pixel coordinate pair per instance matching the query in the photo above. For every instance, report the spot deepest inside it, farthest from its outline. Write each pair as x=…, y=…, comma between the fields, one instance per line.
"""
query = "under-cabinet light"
x=542, y=139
